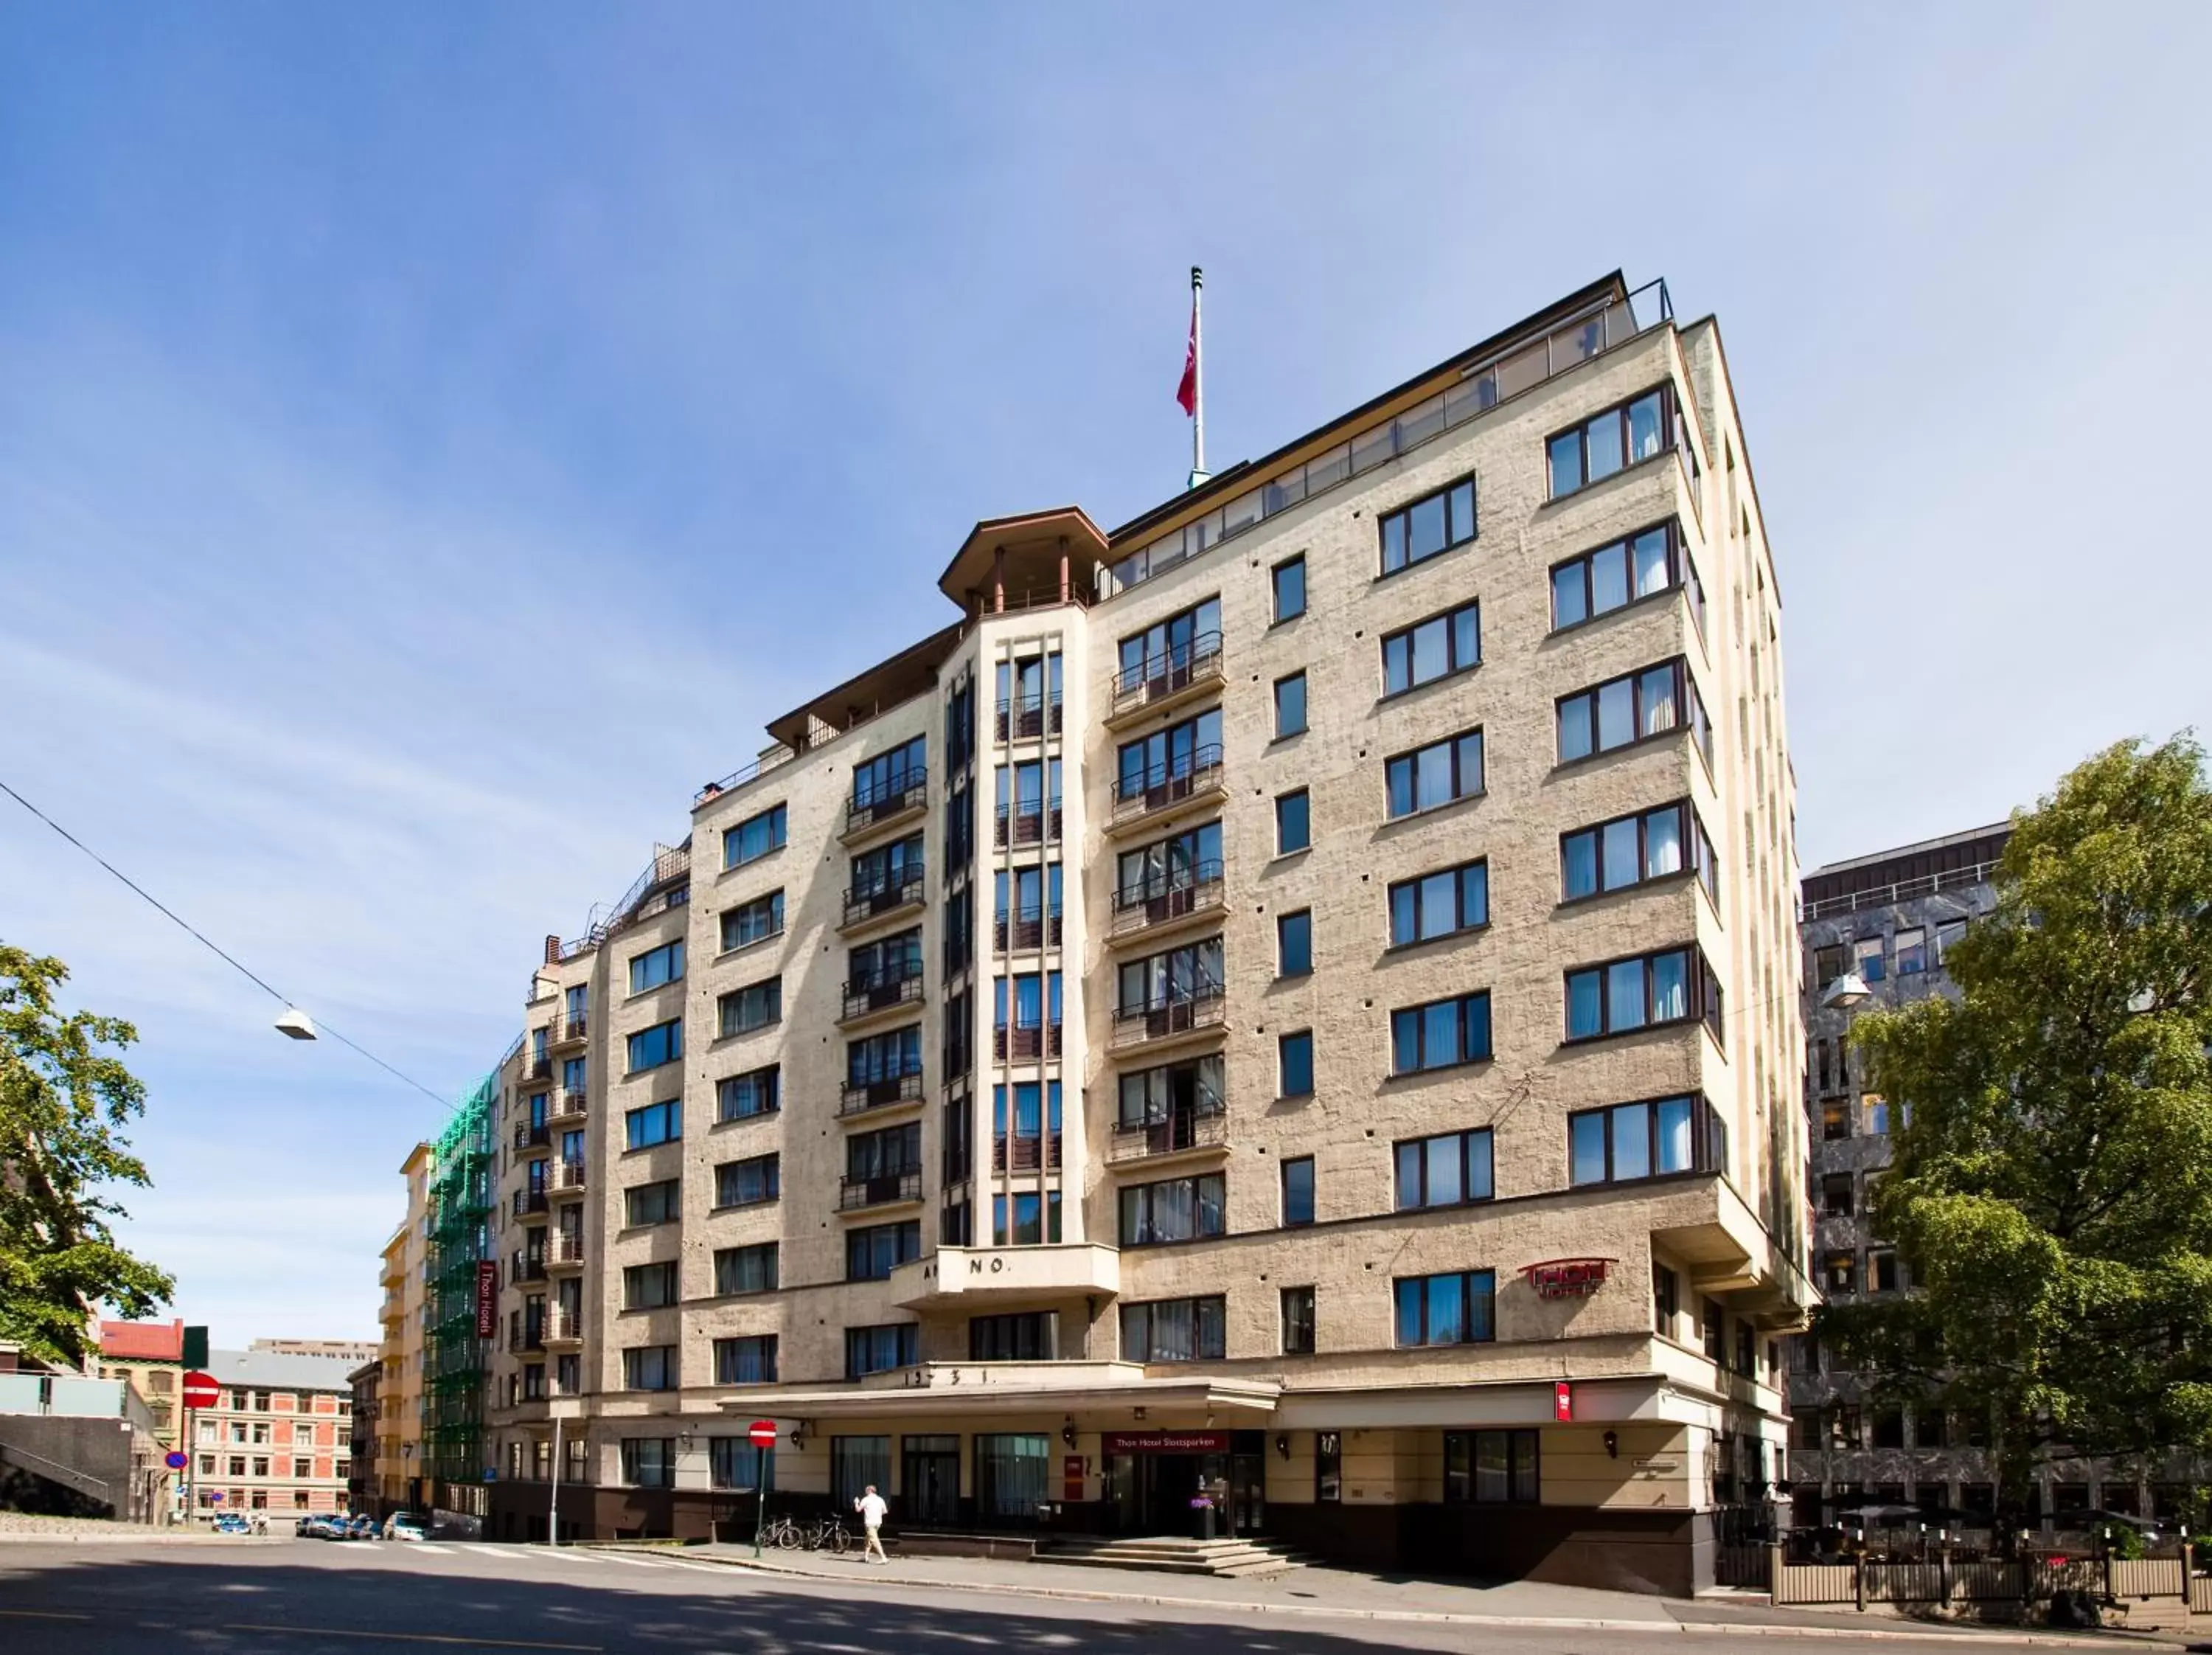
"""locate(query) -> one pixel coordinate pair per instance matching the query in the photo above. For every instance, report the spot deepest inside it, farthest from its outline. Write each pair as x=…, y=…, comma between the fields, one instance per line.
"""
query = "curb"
x=1432, y=1618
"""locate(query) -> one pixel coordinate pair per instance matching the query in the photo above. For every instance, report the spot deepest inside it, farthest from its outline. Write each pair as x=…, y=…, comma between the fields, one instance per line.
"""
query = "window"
x=649, y=1286
x=1294, y=1063
x=1293, y=822
x=746, y=1270
x=1298, y=1174
x=890, y=1152
x=655, y=1123
x=745, y=1361
x=740, y=1097
x=1173, y=1209
x=878, y=1349
x=1157, y=871
x=1294, y=944
x=1453, y=1309
x=238, y=1465
x=746, y=1183
x=1881, y=1270
x=1034, y=1220
x=1440, y=904
x=1014, y=1475
x=574, y=1076
x=1434, y=523
x=1866, y=958
x=1636, y=706
x=1328, y=1466
x=1836, y=1195
x=1835, y=1121
x=1625, y=572
x=890, y=1057
x=1666, y=1298
x=888, y=776
x=874, y=1251
x=1024, y=1336
x=1167, y=650
x=1166, y=756
x=1440, y=1034
x=1290, y=705
x=649, y=1367
x=1877, y=1114
x=1173, y=978
x=889, y=867
x=1435, y=774
x=1928, y=1428
x=661, y=1043
x=1443, y=1171
x=1619, y=437
x=1949, y=934
x=1432, y=650
x=649, y=1462
x=734, y=1463
x=1910, y=950
x=1714, y=1331
x=889, y=961
x=656, y=966
x=753, y=1007
x=1643, y=992
x=1174, y=1330
x=753, y=922
x=1830, y=961
x=753, y=837
x=1489, y=1467
x=1629, y=851
x=303, y=1468
x=1643, y=1140
x=1298, y=1321
x=1289, y=579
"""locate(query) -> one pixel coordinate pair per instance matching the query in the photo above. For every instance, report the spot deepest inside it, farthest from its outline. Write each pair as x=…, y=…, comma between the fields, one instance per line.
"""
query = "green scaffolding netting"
x=454, y=1357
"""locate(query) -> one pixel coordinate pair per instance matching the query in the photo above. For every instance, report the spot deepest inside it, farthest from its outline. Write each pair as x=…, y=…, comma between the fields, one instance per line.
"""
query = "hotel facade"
x=1293, y=1003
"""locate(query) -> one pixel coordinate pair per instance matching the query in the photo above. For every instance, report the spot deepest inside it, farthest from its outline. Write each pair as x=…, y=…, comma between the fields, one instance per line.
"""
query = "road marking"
x=43, y=1614
x=406, y=1637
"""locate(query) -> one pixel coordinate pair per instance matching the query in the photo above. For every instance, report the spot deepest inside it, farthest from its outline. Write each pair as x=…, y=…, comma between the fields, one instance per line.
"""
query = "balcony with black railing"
x=863, y=1098
x=1193, y=1012
x=1030, y=717
x=1169, y=679
x=1031, y=823
x=527, y=1202
x=1024, y=1151
x=1191, y=779
x=569, y=1104
x=531, y=1139
x=562, y=1326
x=566, y=1177
x=866, y=905
x=536, y=1068
x=564, y=1251
x=1167, y=899
x=525, y=1267
x=881, y=1190
x=1183, y=1131
x=1028, y=929
x=1028, y=1041
x=903, y=801
x=871, y=996
x=571, y=1030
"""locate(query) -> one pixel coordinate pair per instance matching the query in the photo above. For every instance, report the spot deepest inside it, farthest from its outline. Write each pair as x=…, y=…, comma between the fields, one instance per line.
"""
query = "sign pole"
x=553, y=1512
x=191, y=1459
x=762, y=1434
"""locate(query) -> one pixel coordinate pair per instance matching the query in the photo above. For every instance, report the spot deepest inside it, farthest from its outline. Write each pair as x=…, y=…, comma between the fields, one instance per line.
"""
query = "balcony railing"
x=569, y=1104
x=1171, y=895
x=1167, y=783
x=1025, y=1040
x=881, y=1190
x=524, y=1268
x=567, y=1175
x=1187, y=1128
x=1025, y=718
x=1024, y=1151
x=562, y=1249
x=905, y=892
x=536, y=1068
x=528, y=1137
x=1156, y=678
x=520, y=1338
x=1021, y=825
x=867, y=995
x=881, y=1094
x=1030, y=929
x=862, y=814
x=1206, y=1007
x=529, y=1201
x=571, y=1030
x=562, y=1326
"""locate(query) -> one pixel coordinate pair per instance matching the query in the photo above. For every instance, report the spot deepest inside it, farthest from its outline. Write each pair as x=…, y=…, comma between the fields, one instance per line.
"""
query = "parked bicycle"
x=825, y=1534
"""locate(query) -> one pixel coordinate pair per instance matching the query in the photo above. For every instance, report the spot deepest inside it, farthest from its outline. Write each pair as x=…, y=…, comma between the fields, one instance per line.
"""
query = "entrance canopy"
x=1014, y=1388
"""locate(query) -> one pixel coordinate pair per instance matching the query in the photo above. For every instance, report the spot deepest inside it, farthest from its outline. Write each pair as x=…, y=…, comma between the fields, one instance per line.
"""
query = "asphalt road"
x=263, y=1598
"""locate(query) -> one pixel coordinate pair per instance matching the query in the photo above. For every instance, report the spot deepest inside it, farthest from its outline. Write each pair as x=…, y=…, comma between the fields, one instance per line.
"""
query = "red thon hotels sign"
x=487, y=1300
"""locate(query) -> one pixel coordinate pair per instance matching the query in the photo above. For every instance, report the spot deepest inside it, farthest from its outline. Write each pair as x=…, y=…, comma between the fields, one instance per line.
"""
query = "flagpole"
x=1198, y=471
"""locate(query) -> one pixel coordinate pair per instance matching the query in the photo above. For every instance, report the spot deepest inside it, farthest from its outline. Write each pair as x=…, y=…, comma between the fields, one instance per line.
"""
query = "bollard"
x=1859, y=1579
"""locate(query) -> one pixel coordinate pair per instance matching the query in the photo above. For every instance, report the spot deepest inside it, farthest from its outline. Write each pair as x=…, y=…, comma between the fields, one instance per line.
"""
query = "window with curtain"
x=1012, y=1476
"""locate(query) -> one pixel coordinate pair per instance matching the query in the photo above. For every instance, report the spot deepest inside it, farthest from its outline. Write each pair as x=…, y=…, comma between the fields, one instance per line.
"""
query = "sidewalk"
x=1327, y=1590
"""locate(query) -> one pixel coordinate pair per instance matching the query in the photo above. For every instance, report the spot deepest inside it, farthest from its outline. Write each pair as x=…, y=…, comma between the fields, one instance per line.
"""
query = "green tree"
x=2052, y=1190
x=64, y=1097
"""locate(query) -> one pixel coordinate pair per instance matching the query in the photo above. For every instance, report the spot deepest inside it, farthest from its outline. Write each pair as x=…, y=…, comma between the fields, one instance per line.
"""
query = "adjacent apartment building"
x=279, y=1440
x=150, y=1355
x=1294, y=1001
x=401, y=1453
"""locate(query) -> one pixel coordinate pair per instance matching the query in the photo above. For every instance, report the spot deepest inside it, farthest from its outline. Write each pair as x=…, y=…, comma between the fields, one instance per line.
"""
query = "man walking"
x=872, y=1507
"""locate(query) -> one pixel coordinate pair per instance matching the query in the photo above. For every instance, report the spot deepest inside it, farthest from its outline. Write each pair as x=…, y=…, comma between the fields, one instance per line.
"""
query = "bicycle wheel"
x=836, y=1540
x=786, y=1536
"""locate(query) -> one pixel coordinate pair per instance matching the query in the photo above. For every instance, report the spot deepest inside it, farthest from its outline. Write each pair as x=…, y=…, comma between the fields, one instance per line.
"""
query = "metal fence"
x=1981, y=1581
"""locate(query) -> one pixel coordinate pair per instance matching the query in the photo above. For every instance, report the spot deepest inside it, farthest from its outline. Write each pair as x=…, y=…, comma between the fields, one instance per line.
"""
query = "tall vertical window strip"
x=1435, y=774
x=1440, y=904
x=1440, y=1034
x=1619, y=574
x=1431, y=650
x=1632, y=851
x=1294, y=1059
x=656, y=966
x=661, y=1043
x=1298, y=1321
x=1297, y=1176
x=1290, y=705
x=1638, y=429
x=1294, y=944
x=1646, y=991
x=1445, y=1170
x=1293, y=822
x=1289, y=580
x=739, y=1096
x=754, y=837
x=1635, y=708
x=888, y=776
x=1434, y=523
x=1454, y=1309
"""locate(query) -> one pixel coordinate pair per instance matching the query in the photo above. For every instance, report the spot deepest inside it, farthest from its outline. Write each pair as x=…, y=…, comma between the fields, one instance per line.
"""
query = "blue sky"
x=433, y=440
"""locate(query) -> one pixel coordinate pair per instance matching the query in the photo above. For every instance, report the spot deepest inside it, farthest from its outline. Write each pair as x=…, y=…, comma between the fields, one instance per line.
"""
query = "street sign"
x=201, y=1390
x=215, y=1495
x=174, y=1461
x=762, y=1434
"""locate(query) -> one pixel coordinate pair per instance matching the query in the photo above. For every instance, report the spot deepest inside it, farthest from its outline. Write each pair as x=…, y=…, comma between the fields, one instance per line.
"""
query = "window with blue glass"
x=1289, y=581
x=655, y=1123
x=734, y=1462
x=573, y=1072
x=749, y=1182
x=1440, y=904
x=1435, y=774
x=891, y=1055
x=1290, y=705
x=874, y=1251
x=1167, y=756
x=661, y=1043
x=1638, y=429
x=753, y=922
x=1432, y=650
x=1298, y=1178
x=755, y=1006
x=1030, y=1219
x=1294, y=943
x=1632, y=850
x=878, y=1349
x=888, y=867
x=1447, y=1170
x=1434, y=523
x=1440, y=1034
x=1174, y=1209
x=656, y=966
x=1623, y=572
x=754, y=837
x=1293, y=822
x=746, y=1270
x=578, y=1002
x=757, y=1092
x=1636, y=706
x=749, y=1360
x=1619, y=996
x=1294, y=1063
x=1453, y=1309
x=1169, y=648
x=1036, y=1111
x=888, y=776
x=1648, y=1139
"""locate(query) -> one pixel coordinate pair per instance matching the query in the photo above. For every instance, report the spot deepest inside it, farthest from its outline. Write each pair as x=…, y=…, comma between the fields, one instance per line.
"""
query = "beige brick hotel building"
x=1295, y=1000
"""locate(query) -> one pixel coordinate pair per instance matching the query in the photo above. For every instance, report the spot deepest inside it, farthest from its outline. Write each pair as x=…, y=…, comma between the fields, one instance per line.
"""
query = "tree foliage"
x=2052, y=1192
x=64, y=1099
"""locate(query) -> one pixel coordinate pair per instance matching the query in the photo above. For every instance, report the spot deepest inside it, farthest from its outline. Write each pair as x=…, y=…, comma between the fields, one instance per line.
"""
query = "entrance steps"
x=1229, y=1558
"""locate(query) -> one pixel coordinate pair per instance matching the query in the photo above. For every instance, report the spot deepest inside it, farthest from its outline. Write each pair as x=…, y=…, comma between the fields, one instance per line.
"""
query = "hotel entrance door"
x=1153, y=1478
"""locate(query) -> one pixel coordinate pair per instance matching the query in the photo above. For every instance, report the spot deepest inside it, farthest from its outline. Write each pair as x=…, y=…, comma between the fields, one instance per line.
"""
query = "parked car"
x=231, y=1523
x=362, y=1526
x=407, y=1526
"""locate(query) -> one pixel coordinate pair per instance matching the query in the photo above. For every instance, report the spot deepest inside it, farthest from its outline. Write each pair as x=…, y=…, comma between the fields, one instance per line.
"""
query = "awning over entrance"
x=1013, y=1388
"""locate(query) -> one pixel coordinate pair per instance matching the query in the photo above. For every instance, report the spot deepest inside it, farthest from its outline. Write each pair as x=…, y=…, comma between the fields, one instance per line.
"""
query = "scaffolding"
x=455, y=1360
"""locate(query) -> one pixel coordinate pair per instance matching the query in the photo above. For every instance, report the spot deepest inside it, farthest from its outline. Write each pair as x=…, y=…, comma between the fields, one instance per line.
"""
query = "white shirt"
x=871, y=1508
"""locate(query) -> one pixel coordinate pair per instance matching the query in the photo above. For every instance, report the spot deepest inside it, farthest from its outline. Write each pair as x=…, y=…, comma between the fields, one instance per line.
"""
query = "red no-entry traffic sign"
x=201, y=1390
x=761, y=1433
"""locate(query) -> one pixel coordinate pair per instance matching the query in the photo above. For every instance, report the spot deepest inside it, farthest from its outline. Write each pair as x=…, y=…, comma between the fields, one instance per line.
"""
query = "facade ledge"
x=1707, y=1226
x=1012, y=1388
x=976, y=1274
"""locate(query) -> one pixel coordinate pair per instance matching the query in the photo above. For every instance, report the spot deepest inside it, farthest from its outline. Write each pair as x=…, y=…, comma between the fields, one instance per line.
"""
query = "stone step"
x=1230, y=1557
